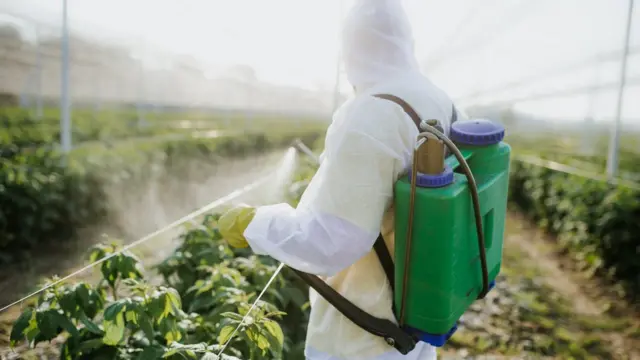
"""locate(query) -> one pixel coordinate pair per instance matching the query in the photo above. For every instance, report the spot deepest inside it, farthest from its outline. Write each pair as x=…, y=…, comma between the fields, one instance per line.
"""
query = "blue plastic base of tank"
x=440, y=339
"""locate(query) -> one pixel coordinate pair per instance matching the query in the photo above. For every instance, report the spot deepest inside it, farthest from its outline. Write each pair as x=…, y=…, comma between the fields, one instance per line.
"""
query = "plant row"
x=205, y=293
x=594, y=160
x=597, y=223
x=47, y=197
x=19, y=126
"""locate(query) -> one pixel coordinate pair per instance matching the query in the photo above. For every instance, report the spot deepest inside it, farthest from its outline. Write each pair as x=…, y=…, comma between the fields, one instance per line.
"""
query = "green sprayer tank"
x=441, y=274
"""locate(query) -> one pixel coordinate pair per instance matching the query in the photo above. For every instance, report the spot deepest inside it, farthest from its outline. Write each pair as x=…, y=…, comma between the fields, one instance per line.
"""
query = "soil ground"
x=545, y=308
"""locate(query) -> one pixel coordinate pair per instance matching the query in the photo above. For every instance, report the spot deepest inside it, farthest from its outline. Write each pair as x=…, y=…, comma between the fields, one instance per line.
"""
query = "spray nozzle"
x=298, y=144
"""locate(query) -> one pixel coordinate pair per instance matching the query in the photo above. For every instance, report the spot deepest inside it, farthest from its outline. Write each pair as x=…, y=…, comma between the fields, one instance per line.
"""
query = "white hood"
x=377, y=42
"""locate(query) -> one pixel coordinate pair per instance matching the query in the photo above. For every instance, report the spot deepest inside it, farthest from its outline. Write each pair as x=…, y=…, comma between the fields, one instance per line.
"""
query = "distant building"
x=106, y=75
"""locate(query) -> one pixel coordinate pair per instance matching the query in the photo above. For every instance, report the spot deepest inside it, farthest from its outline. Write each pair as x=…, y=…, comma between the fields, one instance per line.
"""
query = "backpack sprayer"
x=449, y=225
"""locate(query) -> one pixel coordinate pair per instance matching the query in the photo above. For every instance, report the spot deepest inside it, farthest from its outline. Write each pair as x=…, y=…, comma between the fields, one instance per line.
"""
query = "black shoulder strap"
x=385, y=260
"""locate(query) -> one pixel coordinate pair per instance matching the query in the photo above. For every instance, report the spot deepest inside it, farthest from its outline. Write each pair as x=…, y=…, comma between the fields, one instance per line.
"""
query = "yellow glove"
x=234, y=222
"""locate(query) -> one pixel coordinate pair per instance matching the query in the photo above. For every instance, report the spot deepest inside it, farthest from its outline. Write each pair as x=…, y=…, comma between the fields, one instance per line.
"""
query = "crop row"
x=569, y=151
x=47, y=197
x=206, y=290
x=18, y=126
x=594, y=221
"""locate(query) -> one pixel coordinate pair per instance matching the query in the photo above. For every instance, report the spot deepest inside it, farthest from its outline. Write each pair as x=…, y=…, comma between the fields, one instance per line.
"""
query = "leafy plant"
x=206, y=291
x=207, y=294
x=595, y=222
x=124, y=317
x=47, y=197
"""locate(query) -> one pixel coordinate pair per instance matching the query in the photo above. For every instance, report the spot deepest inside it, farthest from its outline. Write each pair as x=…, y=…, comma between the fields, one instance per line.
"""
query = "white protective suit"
x=348, y=202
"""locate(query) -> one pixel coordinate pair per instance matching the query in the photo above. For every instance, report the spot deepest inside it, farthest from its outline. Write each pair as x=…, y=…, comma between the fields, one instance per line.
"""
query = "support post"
x=614, y=142
x=38, y=75
x=65, y=106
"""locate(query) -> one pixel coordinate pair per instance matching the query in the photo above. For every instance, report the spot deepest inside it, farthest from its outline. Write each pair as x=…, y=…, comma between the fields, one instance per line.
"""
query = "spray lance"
x=298, y=144
x=450, y=211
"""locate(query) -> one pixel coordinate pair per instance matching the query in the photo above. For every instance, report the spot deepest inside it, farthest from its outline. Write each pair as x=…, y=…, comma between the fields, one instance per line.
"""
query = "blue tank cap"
x=434, y=181
x=477, y=132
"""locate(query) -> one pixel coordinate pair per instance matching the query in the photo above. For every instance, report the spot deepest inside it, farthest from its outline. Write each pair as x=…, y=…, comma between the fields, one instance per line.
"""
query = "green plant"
x=594, y=221
x=206, y=294
x=124, y=317
x=43, y=202
x=47, y=197
x=211, y=277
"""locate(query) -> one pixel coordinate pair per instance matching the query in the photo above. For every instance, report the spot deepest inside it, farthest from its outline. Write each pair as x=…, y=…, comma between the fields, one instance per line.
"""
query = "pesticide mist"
x=275, y=189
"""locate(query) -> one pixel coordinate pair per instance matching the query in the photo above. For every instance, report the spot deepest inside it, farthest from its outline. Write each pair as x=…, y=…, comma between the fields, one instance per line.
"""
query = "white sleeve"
x=314, y=243
x=338, y=218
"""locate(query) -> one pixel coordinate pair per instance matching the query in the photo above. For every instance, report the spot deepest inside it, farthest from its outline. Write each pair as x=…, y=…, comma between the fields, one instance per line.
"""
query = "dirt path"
x=582, y=292
x=543, y=308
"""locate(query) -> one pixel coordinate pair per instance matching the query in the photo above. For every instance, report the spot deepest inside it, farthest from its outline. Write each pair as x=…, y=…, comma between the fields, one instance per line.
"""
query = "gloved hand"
x=234, y=222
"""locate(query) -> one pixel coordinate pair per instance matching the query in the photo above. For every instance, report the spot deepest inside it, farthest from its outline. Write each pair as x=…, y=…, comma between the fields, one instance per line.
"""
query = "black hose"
x=473, y=189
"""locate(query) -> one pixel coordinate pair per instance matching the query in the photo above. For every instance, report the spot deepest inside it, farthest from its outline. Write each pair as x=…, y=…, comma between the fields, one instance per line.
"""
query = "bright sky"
x=467, y=45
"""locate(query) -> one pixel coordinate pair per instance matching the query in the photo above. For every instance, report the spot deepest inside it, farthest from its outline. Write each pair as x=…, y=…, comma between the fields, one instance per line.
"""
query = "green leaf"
x=97, y=253
x=131, y=317
x=174, y=298
x=92, y=344
x=151, y=353
x=168, y=308
x=225, y=334
x=90, y=325
x=202, y=303
x=113, y=310
x=296, y=295
x=64, y=322
x=32, y=330
x=232, y=315
x=274, y=329
x=275, y=314
x=262, y=342
x=146, y=324
x=68, y=302
x=65, y=351
x=19, y=327
x=114, y=330
x=172, y=336
x=47, y=324
x=83, y=293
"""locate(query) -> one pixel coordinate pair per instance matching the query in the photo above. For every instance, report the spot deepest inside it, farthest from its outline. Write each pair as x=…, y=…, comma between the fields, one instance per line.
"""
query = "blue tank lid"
x=477, y=132
x=434, y=181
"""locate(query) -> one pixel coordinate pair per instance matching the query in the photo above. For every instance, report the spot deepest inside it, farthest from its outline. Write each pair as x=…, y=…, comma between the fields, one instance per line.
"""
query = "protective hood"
x=377, y=42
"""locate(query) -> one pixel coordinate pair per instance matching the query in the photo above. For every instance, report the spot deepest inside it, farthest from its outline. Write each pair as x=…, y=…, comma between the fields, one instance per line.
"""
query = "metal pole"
x=141, y=86
x=614, y=143
x=38, y=76
x=65, y=107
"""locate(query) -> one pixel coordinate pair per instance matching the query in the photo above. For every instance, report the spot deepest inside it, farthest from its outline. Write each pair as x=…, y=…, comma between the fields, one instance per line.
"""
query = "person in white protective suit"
x=368, y=146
